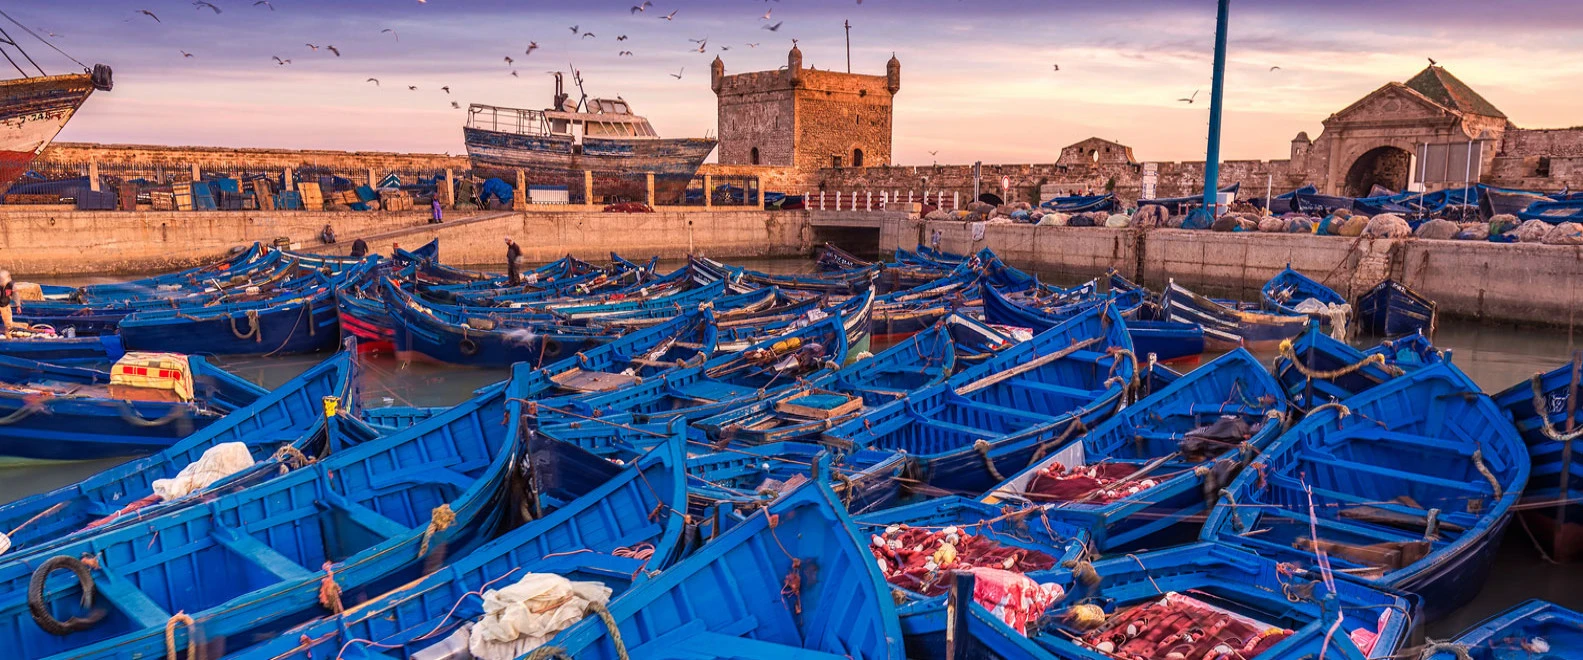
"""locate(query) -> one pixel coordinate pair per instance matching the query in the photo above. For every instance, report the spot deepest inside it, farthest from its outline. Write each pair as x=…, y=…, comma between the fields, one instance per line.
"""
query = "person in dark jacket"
x=359, y=248
x=327, y=235
x=513, y=255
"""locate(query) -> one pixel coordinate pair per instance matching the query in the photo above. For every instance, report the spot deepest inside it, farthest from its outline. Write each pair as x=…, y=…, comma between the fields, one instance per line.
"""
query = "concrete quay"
x=1523, y=283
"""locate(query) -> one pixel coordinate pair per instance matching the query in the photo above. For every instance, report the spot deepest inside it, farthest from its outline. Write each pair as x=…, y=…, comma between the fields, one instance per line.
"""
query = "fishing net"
x=1473, y=231
x=1151, y=216
x=1054, y=220
x=921, y=560
x=1337, y=313
x=523, y=616
x=1353, y=226
x=1012, y=597
x=1532, y=231
x=1272, y=225
x=1566, y=233
x=1438, y=230
x=1118, y=221
x=1180, y=626
x=1388, y=225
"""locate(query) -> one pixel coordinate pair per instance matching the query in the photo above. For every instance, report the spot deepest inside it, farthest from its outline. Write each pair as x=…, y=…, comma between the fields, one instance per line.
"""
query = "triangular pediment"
x=1392, y=102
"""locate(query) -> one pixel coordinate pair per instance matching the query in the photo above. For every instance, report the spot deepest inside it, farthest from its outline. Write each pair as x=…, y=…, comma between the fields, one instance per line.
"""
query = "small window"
x=857, y=158
x=753, y=156
x=1542, y=169
x=835, y=161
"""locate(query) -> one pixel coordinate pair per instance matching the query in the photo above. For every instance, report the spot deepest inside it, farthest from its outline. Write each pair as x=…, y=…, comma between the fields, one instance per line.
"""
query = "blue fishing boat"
x=1195, y=601
x=1228, y=324
x=1556, y=212
x=1293, y=293
x=57, y=349
x=1080, y=203
x=1166, y=340
x=1545, y=410
x=728, y=380
x=255, y=562
x=1315, y=368
x=284, y=416
x=790, y=582
x=1533, y=629
x=1159, y=462
x=606, y=534
x=844, y=282
x=477, y=340
x=1391, y=309
x=1408, y=485
x=992, y=419
x=1023, y=541
x=299, y=321
x=803, y=412
x=55, y=412
x=832, y=258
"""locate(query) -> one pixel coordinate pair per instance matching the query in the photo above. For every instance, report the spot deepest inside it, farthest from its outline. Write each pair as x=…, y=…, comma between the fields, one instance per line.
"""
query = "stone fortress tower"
x=805, y=118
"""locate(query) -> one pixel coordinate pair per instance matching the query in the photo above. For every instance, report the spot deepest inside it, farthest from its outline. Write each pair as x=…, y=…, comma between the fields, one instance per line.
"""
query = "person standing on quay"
x=435, y=204
x=7, y=299
x=513, y=254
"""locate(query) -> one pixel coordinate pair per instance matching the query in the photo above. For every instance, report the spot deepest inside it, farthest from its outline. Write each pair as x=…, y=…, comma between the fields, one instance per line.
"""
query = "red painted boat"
x=34, y=109
x=555, y=147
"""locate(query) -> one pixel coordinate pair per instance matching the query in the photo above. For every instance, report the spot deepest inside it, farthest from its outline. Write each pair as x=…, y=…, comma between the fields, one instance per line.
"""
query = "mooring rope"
x=194, y=650
x=440, y=519
x=1287, y=352
x=1544, y=418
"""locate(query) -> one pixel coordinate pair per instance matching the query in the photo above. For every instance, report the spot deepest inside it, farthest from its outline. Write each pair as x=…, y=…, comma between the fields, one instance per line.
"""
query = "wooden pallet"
x=799, y=405
x=312, y=197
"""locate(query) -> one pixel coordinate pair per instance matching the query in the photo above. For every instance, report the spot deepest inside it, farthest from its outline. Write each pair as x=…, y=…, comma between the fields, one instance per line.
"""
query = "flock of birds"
x=701, y=45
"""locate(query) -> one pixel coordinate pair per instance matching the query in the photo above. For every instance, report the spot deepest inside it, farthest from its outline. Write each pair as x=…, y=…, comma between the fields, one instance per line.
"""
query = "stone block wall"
x=839, y=114
x=756, y=111
x=112, y=157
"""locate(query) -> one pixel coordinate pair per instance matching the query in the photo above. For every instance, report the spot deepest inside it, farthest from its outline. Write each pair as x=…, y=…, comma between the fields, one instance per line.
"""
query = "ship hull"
x=618, y=165
x=32, y=112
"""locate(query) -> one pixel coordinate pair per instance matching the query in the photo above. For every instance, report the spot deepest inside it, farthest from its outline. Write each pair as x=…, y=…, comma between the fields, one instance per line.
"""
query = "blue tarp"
x=497, y=189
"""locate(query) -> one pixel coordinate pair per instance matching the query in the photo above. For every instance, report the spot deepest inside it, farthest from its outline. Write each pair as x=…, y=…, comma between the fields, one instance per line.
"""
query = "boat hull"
x=32, y=112
x=618, y=165
x=1391, y=309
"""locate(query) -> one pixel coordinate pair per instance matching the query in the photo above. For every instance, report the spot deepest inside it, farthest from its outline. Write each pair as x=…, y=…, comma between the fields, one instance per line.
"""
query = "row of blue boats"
x=935, y=457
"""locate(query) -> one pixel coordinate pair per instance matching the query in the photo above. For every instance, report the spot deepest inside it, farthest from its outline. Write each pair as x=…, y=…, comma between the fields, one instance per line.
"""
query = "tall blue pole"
x=1216, y=95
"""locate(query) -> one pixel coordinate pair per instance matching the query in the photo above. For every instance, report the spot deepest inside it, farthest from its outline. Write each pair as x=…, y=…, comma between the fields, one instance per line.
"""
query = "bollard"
x=956, y=201
x=837, y=200
x=868, y=200
x=821, y=200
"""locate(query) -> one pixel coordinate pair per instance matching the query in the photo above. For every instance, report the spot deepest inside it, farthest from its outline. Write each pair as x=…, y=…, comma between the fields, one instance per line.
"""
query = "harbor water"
x=1495, y=356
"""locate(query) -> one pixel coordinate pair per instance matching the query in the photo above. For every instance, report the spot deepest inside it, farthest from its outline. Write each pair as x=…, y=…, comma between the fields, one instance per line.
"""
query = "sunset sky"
x=977, y=78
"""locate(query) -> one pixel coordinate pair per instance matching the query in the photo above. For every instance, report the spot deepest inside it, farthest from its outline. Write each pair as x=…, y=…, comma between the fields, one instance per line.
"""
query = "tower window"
x=1542, y=169
x=857, y=158
x=753, y=156
x=835, y=161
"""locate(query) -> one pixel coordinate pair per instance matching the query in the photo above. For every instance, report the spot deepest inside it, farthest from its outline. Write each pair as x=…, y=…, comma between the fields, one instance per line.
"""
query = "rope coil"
x=440, y=519
x=252, y=323
x=982, y=446
x=194, y=650
x=330, y=592
x=1287, y=352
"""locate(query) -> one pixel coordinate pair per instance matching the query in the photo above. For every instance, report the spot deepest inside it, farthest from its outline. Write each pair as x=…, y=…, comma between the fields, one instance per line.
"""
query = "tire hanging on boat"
x=40, y=610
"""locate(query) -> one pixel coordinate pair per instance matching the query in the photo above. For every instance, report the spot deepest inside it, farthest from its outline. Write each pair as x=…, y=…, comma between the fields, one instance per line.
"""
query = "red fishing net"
x=921, y=560
x=1179, y=626
x=1097, y=483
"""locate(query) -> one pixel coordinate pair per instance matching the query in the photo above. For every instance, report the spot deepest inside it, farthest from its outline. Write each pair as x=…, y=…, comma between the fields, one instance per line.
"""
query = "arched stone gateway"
x=1387, y=166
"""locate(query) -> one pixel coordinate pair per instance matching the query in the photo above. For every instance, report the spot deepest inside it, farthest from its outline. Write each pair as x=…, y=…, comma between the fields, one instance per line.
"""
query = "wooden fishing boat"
x=930, y=258
x=253, y=563
x=1546, y=413
x=556, y=146
x=59, y=413
x=856, y=312
x=845, y=282
x=831, y=603
x=478, y=340
x=36, y=108
x=1188, y=601
x=976, y=341
x=1532, y=629
x=1391, y=309
x=1032, y=543
x=597, y=536
x=1166, y=340
x=1228, y=324
x=1134, y=479
x=1408, y=485
x=994, y=418
x=1315, y=368
x=832, y=258
x=1289, y=290
x=284, y=416
x=243, y=260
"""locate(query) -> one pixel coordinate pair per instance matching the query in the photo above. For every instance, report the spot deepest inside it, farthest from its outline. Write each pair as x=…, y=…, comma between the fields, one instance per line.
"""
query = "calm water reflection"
x=1495, y=356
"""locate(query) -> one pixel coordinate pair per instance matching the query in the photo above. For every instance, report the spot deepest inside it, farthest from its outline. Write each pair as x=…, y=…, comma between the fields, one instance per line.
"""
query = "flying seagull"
x=509, y=60
x=588, y=34
x=514, y=74
x=638, y=9
x=200, y=4
x=773, y=28
x=678, y=74
x=1432, y=61
x=621, y=37
x=186, y=54
x=312, y=47
x=282, y=62
x=532, y=46
x=150, y=15
x=265, y=3
x=373, y=80
x=624, y=53
x=753, y=45
x=1057, y=66
x=446, y=89
x=766, y=15
x=456, y=105
x=1190, y=99
x=671, y=16
x=392, y=33
x=412, y=88
x=1275, y=68
x=333, y=49
x=575, y=29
